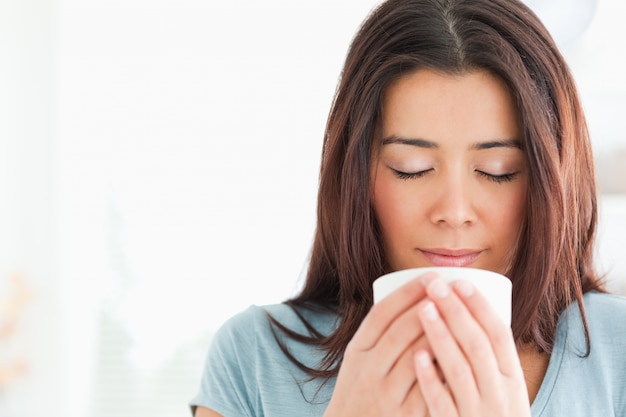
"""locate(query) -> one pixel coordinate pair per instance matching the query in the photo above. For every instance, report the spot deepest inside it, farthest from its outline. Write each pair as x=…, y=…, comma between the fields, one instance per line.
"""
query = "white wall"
x=27, y=213
x=612, y=242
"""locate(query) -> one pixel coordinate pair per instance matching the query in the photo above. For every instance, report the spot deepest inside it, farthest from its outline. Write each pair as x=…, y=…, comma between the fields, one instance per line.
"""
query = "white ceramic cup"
x=496, y=288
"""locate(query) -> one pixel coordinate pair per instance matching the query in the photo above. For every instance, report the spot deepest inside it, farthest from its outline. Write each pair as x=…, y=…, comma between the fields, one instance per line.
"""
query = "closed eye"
x=410, y=175
x=498, y=179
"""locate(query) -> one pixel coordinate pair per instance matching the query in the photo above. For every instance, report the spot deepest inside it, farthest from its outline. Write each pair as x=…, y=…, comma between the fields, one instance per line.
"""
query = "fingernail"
x=430, y=311
x=439, y=289
x=422, y=359
x=465, y=288
x=428, y=277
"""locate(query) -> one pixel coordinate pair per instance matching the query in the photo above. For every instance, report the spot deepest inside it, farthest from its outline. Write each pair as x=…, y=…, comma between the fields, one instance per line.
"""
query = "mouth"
x=451, y=257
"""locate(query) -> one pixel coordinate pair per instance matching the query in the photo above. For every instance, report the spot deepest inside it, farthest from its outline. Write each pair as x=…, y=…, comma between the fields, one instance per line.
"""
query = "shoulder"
x=605, y=302
x=302, y=319
x=243, y=330
x=248, y=368
x=597, y=307
x=604, y=314
x=255, y=328
x=259, y=318
x=605, y=311
x=601, y=311
x=581, y=382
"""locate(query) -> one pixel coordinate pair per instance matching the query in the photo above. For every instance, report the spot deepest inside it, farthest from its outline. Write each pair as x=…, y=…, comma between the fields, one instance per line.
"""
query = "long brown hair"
x=553, y=266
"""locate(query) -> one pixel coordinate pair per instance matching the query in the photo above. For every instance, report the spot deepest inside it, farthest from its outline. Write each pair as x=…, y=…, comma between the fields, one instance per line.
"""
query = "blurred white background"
x=158, y=173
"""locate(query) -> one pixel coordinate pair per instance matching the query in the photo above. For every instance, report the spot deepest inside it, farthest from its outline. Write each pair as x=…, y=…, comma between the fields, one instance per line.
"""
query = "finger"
x=469, y=336
x=498, y=332
x=414, y=403
x=436, y=396
x=401, y=379
x=384, y=313
x=404, y=332
x=457, y=371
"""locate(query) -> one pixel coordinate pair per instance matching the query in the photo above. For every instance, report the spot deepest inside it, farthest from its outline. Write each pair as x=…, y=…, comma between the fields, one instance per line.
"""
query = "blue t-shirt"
x=247, y=374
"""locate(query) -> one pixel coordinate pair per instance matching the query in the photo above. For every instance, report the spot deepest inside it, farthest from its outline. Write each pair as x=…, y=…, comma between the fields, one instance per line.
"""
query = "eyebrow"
x=421, y=143
x=502, y=143
x=478, y=146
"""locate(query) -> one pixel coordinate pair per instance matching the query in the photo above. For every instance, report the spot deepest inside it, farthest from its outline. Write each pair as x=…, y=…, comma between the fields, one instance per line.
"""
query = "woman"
x=456, y=138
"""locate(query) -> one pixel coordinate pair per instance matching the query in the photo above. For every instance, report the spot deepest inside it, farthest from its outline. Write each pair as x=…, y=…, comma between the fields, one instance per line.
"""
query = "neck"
x=534, y=366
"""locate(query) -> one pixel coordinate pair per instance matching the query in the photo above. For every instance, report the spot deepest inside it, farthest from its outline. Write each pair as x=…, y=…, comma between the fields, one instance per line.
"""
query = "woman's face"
x=449, y=177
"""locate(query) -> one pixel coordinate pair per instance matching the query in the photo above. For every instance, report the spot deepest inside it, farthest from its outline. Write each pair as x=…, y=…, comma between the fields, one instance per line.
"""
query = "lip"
x=451, y=257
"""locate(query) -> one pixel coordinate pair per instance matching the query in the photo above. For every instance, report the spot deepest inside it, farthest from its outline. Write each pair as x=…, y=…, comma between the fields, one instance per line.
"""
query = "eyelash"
x=410, y=175
x=498, y=179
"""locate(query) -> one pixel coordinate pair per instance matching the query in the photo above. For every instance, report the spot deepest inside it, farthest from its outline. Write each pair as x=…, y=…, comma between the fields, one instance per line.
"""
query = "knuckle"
x=386, y=391
x=477, y=347
x=356, y=349
x=439, y=401
x=350, y=350
x=414, y=408
x=456, y=308
x=421, y=343
x=501, y=404
x=377, y=316
x=404, y=329
x=502, y=336
x=459, y=372
x=411, y=412
x=394, y=335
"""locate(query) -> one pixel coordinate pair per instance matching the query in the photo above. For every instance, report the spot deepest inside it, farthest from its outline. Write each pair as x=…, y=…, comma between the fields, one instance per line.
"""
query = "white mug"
x=496, y=288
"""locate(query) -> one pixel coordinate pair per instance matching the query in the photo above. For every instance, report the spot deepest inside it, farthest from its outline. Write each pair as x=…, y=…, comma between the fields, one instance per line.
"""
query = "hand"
x=476, y=353
x=377, y=376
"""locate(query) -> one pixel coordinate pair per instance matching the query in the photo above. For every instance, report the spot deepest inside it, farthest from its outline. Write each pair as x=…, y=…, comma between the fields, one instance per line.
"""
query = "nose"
x=454, y=204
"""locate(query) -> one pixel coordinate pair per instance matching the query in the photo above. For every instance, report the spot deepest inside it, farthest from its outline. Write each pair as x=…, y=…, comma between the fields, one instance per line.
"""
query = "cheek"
x=511, y=214
x=383, y=205
x=395, y=210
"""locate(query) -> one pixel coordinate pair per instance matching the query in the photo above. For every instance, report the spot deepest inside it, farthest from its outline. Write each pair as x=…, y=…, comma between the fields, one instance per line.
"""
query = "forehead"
x=435, y=106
